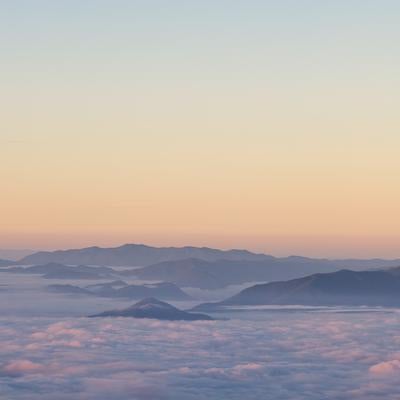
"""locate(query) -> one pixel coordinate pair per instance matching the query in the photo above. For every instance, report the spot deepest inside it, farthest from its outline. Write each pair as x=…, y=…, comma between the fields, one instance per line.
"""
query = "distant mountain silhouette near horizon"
x=54, y=270
x=135, y=255
x=120, y=289
x=189, y=272
x=154, y=309
x=344, y=287
x=218, y=274
x=139, y=255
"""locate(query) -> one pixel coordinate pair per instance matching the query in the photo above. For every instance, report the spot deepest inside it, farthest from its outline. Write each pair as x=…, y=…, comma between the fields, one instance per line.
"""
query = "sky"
x=267, y=125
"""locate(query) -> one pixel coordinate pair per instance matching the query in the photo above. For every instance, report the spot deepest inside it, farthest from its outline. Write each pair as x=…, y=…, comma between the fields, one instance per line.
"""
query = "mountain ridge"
x=120, y=289
x=344, y=287
x=143, y=255
x=135, y=255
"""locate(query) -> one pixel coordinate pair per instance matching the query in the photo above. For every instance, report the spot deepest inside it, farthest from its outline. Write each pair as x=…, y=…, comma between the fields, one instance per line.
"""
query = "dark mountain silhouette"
x=120, y=289
x=135, y=255
x=155, y=309
x=344, y=287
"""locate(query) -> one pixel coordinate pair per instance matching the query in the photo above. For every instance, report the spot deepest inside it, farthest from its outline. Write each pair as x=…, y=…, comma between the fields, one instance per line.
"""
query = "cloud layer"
x=278, y=355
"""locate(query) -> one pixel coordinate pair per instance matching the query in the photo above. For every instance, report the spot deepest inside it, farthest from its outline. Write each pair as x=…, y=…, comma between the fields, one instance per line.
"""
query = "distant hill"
x=136, y=255
x=344, y=287
x=119, y=289
x=218, y=274
x=60, y=271
x=155, y=309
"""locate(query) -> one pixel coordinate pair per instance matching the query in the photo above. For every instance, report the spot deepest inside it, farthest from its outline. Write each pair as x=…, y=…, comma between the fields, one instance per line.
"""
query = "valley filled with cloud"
x=57, y=352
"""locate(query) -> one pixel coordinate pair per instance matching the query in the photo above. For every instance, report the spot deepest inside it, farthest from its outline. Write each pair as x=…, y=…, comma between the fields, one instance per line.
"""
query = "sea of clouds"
x=264, y=354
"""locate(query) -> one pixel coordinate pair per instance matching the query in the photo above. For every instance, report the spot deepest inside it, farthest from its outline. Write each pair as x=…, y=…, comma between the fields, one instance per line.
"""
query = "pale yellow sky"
x=266, y=147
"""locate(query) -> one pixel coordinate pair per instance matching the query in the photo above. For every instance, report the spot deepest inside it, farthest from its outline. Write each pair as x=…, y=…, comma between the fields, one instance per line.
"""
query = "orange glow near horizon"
x=269, y=132
x=70, y=192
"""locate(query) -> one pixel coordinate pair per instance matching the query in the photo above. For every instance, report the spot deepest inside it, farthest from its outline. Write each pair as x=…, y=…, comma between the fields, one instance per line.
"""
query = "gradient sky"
x=270, y=125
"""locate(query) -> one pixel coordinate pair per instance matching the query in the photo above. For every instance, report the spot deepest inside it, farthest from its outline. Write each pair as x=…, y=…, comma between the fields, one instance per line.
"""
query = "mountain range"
x=140, y=255
x=120, y=289
x=221, y=273
x=59, y=271
x=135, y=255
x=285, y=281
x=196, y=267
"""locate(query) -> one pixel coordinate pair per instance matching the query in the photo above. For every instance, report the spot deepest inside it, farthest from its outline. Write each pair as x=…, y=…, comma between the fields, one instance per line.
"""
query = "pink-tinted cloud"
x=21, y=367
x=386, y=368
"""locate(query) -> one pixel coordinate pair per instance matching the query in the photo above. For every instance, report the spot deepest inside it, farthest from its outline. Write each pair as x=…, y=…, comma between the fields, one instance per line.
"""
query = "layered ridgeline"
x=154, y=309
x=203, y=274
x=344, y=287
x=60, y=271
x=193, y=273
x=136, y=255
x=221, y=273
x=121, y=289
x=142, y=255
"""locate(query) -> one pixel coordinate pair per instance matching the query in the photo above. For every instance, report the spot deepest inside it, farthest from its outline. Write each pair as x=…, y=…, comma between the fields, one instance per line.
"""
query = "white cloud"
x=289, y=356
